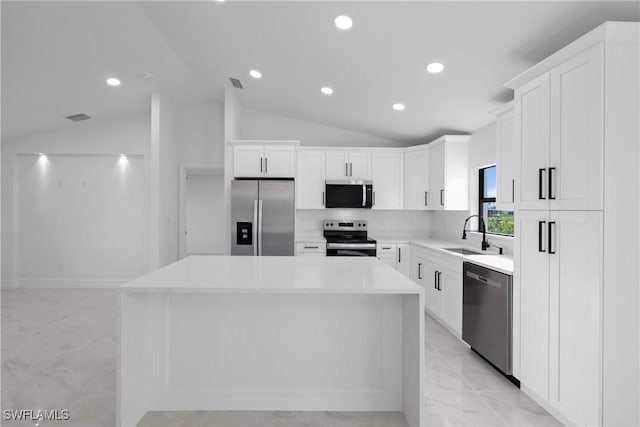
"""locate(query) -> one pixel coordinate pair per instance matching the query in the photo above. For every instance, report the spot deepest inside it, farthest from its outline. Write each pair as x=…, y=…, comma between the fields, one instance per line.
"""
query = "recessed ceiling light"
x=398, y=107
x=343, y=22
x=112, y=81
x=435, y=67
x=326, y=90
x=255, y=74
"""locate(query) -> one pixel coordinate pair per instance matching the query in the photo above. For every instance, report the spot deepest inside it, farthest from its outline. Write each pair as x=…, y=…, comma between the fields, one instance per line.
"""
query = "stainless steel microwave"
x=349, y=194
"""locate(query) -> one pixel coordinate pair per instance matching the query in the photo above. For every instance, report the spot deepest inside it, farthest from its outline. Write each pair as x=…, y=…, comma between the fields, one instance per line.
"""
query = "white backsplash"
x=381, y=224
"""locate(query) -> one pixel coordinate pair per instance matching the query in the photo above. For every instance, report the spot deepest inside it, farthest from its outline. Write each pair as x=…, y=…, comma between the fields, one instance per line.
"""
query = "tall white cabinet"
x=577, y=299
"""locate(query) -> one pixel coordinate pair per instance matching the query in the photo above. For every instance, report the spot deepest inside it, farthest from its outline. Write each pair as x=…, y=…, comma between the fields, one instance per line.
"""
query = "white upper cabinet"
x=387, y=176
x=311, y=179
x=416, y=178
x=279, y=161
x=559, y=120
x=337, y=165
x=347, y=165
x=264, y=159
x=449, y=173
x=248, y=160
x=532, y=143
x=506, y=165
x=577, y=132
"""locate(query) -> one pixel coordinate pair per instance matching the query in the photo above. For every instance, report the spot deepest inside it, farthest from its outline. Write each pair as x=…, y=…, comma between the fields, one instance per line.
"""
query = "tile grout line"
x=475, y=392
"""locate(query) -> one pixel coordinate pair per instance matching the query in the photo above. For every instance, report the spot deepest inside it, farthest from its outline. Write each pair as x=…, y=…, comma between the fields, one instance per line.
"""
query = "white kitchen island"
x=271, y=333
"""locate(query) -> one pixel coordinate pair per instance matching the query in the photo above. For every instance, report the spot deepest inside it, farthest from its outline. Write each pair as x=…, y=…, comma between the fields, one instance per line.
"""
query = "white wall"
x=128, y=135
x=448, y=225
x=164, y=183
x=200, y=134
x=262, y=125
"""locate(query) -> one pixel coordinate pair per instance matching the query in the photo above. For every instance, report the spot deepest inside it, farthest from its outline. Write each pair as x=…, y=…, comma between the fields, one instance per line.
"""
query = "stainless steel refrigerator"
x=262, y=217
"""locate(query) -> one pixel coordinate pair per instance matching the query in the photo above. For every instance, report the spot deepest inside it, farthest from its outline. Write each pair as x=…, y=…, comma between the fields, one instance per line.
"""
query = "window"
x=498, y=222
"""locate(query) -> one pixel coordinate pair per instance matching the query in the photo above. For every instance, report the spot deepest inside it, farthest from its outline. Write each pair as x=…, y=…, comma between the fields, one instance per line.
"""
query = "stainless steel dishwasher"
x=487, y=315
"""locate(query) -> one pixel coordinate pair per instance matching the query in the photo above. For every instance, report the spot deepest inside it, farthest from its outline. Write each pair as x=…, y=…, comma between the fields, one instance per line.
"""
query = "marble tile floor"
x=58, y=351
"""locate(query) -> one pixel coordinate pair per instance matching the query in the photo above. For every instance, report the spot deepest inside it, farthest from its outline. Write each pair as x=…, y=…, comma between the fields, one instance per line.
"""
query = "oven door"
x=350, y=249
x=348, y=194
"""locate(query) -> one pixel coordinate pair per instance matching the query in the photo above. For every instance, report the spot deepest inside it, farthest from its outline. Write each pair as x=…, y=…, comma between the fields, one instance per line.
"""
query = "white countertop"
x=247, y=274
x=501, y=263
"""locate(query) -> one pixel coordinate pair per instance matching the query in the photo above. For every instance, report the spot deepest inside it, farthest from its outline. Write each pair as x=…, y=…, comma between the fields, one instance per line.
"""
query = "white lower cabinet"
x=558, y=260
x=402, y=261
x=386, y=252
x=318, y=248
x=441, y=278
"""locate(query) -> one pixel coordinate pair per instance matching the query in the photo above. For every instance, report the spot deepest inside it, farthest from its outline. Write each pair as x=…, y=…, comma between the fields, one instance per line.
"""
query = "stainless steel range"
x=348, y=238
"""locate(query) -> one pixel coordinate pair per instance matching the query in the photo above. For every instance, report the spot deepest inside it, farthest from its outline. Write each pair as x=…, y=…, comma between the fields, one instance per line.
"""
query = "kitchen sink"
x=463, y=251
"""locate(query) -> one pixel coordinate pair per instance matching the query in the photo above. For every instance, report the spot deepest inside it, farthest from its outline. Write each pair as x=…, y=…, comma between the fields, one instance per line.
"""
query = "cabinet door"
x=311, y=179
x=279, y=161
x=402, y=260
x=507, y=162
x=432, y=296
x=360, y=165
x=577, y=135
x=436, y=177
x=387, y=176
x=451, y=293
x=388, y=259
x=416, y=179
x=531, y=276
x=576, y=315
x=336, y=165
x=532, y=144
x=248, y=161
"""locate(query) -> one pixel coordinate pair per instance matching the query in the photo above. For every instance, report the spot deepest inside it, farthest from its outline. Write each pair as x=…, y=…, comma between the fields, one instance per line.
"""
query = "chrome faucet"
x=485, y=244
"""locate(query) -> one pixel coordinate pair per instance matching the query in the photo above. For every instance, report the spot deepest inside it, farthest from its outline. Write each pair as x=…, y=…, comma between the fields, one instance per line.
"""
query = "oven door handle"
x=351, y=246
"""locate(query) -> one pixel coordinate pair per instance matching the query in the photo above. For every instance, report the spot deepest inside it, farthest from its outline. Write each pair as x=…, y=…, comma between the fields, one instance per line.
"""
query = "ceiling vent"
x=236, y=83
x=77, y=117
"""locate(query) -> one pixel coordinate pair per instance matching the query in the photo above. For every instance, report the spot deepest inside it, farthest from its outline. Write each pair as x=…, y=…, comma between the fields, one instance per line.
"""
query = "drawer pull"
x=312, y=247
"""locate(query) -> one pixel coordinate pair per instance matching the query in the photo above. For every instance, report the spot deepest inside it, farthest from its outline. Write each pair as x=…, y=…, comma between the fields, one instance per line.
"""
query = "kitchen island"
x=271, y=333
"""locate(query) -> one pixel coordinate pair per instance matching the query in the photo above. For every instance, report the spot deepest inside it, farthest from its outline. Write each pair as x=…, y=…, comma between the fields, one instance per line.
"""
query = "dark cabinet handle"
x=266, y=169
x=419, y=276
x=541, y=195
x=540, y=227
x=426, y=198
x=351, y=169
x=435, y=279
x=439, y=280
x=442, y=197
x=323, y=198
x=386, y=247
x=551, y=196
x=312, y=247
x=550, y=237
x=261, y=160
x=513, y=191
x=399, y=254
x=374, y=199
x=346, y=169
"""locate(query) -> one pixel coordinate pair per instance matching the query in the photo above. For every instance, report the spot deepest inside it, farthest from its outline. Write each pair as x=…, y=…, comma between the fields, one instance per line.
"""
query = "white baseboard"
x=70, y=283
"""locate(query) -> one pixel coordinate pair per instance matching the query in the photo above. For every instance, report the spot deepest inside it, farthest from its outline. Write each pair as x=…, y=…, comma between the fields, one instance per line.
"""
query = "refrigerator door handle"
x=260, y=227
x=255, y=228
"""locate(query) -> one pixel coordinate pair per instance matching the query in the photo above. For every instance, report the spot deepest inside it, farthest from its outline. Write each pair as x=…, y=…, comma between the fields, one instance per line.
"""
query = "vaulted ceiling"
x=57, y=55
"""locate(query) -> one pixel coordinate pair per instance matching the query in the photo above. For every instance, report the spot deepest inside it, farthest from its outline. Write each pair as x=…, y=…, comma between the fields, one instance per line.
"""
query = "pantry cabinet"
x=264, y=159
x=576, y=326
x=559, y=126
x=449, y=173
